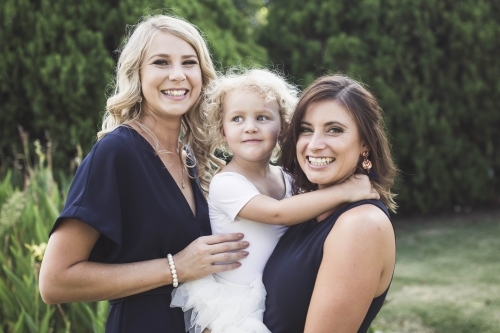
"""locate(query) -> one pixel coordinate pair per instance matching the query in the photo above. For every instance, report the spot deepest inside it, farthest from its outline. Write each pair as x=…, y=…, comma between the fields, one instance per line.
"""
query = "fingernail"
x=245, y=253
x=240, y=235
x=246, y=244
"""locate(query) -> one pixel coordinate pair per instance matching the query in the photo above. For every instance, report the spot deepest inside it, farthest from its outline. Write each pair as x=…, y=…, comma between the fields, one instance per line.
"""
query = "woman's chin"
x=324, y=183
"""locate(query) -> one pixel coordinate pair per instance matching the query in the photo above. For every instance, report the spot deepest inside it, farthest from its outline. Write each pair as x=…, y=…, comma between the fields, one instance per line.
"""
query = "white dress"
x=232, y=301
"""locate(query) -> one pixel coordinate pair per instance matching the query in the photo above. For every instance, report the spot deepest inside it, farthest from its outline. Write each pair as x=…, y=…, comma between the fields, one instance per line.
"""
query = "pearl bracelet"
x=171, y=264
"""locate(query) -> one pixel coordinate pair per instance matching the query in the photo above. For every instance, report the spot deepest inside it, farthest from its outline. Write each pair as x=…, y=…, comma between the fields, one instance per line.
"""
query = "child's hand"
x=358, y=187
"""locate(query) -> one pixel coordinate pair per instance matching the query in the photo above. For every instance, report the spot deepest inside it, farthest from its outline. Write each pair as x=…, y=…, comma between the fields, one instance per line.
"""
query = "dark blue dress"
x=291, y=271
x=123, y=190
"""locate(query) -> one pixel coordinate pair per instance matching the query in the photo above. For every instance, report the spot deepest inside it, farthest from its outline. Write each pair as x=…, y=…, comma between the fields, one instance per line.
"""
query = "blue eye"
x=238, y=119
x=261, y=118
x=190, y=63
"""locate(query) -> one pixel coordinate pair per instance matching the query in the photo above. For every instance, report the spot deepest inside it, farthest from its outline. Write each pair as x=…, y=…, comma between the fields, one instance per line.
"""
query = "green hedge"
x=435, y=67
x=433, y=64
x=57, y=60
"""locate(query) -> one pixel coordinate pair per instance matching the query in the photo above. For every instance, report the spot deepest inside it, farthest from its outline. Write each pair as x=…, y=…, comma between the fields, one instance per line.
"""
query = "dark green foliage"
x=57, y=58
x=435, y=68
x=433, y=65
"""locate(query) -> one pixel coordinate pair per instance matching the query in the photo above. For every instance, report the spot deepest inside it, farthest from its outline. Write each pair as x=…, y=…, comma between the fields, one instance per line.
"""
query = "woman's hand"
x=198, y=258
x=359, y=187
x=66, y=274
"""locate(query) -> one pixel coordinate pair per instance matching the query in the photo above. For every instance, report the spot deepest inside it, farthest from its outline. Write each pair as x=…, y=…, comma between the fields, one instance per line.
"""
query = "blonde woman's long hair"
x=124, y=104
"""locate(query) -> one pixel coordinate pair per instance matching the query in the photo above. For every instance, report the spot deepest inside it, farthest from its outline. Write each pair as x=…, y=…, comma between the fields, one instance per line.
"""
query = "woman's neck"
x=166, y=132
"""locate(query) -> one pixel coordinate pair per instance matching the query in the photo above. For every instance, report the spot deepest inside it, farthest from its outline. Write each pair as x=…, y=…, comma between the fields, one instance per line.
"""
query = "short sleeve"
x=229, y=192
x=94, y=196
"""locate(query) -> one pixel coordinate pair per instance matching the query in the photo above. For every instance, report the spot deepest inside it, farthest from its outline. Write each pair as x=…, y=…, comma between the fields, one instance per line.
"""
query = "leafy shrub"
x=26, y=216
x=434, y=66
x=58, y=59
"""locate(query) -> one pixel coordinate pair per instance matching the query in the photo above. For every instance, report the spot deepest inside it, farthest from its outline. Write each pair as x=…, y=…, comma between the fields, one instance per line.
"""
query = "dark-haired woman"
x=333, y=276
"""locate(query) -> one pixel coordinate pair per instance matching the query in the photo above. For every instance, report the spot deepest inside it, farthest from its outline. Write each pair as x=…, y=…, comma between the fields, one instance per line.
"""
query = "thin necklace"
x=183, y=185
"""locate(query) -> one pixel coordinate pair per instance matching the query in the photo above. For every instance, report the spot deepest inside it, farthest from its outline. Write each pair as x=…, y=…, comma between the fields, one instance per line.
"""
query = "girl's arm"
x=66, y=274
x=357, y=266
x=303, y=207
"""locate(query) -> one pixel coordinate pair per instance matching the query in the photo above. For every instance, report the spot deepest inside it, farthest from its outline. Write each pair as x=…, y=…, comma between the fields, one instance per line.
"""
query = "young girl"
x=247, y=112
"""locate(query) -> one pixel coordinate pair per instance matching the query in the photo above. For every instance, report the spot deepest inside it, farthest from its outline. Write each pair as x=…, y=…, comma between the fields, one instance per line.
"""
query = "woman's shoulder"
x=367, y=219
x=118, y=139
x=114, y=148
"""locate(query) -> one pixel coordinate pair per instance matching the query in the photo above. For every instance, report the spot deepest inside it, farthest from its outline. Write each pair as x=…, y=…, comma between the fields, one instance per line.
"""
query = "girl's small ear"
x=223, y=135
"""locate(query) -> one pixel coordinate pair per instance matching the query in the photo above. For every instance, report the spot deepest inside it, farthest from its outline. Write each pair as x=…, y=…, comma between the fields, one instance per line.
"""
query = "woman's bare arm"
x=66, y=274
x=357, y=266
x=303, y=207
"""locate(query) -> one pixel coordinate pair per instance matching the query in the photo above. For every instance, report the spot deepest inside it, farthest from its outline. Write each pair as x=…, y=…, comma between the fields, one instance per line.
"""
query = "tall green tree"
x=57, y=60
x=434, y=66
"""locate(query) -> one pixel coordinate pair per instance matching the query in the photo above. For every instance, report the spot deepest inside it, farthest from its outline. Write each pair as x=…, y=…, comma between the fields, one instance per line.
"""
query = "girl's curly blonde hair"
x=267, y=84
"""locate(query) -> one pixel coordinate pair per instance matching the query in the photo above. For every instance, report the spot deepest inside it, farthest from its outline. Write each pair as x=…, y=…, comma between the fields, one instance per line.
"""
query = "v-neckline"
x=194, y=213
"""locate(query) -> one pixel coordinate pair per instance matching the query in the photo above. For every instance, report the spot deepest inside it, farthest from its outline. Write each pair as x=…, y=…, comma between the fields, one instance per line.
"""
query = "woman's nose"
x=317, y=141
x=177, y=73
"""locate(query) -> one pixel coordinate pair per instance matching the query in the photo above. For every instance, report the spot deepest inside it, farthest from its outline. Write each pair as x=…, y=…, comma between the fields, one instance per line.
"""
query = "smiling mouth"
x=320, y=161
x=175, y=92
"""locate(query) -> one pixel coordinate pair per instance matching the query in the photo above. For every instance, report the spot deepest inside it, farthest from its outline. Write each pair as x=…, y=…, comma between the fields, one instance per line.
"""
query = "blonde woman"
x=136, y=199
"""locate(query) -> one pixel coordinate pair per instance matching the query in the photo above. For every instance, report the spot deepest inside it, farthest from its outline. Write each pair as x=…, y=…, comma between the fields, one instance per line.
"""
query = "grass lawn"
x=447, y=277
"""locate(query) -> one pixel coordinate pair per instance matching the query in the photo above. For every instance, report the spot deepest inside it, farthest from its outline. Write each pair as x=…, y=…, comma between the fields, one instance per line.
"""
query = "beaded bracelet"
x=171, y=264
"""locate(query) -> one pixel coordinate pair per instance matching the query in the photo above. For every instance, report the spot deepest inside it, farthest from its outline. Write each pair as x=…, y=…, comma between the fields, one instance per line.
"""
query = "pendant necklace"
x=183, y=185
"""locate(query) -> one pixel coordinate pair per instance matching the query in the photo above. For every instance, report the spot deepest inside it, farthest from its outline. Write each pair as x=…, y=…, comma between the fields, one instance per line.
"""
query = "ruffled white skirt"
x=221, y=306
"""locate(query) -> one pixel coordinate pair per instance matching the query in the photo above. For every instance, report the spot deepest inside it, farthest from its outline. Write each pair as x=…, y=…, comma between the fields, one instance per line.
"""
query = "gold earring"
x=367, y=164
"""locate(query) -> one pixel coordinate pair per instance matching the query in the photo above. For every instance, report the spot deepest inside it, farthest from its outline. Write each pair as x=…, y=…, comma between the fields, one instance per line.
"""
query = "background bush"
x=433, y=64
x=27, y=214
x=58, y=58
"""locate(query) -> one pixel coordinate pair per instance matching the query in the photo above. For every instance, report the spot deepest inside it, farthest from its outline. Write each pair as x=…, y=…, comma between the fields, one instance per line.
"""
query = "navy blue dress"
x=123, y=190
x=291, y=271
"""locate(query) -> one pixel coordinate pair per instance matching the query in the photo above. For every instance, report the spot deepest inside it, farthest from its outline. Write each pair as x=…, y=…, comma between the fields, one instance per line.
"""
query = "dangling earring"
x=367, y=164
x=139, y=101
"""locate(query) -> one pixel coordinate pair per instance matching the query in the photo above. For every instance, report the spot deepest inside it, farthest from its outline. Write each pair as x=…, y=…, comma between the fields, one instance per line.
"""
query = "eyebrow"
x=165, y=55
x=238, y=110
x=326, y=124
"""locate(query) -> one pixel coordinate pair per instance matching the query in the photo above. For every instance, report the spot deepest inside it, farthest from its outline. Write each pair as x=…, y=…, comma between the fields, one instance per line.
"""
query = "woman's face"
x=171, y=76
x=329, y=145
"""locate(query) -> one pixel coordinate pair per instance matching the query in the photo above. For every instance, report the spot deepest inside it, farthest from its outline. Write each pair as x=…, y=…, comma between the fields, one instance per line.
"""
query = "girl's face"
x=251, y=125
x=171, y=77
x=329, y=146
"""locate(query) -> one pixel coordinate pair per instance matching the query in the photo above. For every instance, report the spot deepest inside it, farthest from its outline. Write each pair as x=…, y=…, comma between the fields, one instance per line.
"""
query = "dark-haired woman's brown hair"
x=366, y=112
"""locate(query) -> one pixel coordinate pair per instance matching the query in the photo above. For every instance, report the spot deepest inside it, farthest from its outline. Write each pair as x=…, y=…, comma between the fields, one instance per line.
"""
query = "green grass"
x=447, y=277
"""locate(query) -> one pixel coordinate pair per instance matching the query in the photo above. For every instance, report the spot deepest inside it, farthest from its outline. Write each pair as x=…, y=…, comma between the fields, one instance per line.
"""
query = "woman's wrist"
x=173, y=271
